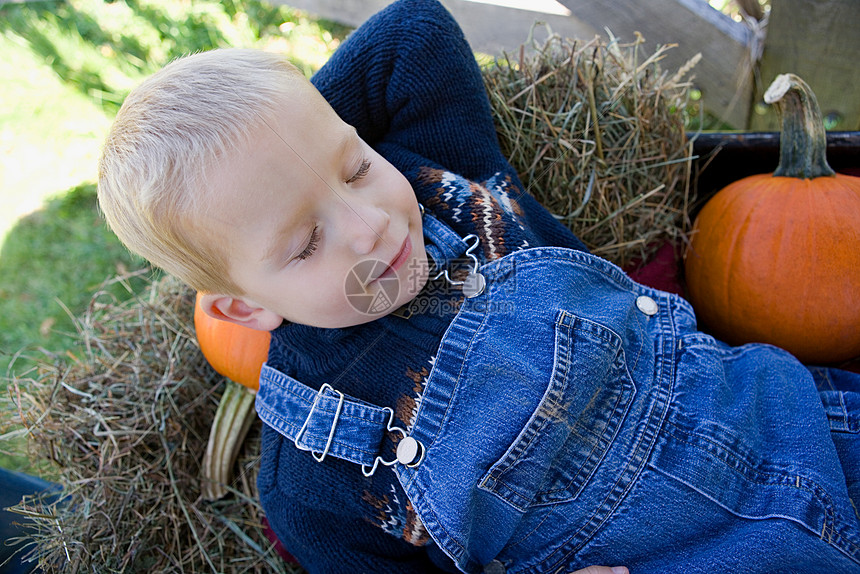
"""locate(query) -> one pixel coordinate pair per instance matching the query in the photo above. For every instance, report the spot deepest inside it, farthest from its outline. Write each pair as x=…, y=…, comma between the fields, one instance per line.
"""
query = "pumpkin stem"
x=803, y=140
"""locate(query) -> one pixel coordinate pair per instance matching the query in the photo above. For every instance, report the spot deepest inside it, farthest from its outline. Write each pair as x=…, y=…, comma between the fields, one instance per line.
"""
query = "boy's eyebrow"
x=346, y=140
x=349, y=138
x=276, y=245
x=276, y=248
x=353, y=134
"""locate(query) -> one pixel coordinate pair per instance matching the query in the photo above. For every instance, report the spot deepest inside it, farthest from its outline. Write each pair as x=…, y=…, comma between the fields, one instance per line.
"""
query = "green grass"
x=49, y=133
x=66, y=68
x=58, y=257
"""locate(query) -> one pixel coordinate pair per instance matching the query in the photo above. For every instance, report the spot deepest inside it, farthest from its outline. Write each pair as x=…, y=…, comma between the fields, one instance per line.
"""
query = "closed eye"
x=362, y=171
x=311, y=247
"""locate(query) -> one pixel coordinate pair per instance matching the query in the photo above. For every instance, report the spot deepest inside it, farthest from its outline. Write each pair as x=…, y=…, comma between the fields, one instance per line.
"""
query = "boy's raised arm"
x=408, y=79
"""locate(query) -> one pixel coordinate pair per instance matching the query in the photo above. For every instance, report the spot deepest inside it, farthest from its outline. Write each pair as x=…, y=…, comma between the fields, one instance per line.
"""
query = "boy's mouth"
x=399, y=259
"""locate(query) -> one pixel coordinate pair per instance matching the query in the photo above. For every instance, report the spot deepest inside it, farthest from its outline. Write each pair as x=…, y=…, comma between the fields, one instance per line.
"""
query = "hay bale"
x=596, y=132
x=124, y=427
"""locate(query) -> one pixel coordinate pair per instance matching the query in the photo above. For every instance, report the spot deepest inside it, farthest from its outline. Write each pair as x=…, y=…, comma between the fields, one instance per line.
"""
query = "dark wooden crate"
x=724, y=157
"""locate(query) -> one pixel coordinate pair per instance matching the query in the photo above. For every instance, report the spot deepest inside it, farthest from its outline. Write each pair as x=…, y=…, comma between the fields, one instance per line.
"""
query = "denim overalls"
x=574, y=417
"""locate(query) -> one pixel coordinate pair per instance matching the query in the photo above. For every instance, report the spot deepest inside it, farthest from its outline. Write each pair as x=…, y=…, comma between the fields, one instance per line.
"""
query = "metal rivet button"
x=409, y=451
x=494, y=567
x=474, y=285
x=647, y=305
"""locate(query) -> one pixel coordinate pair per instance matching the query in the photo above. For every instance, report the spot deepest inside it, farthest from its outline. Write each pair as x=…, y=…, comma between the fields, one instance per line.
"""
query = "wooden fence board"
x=819, y=41
x=490, y=28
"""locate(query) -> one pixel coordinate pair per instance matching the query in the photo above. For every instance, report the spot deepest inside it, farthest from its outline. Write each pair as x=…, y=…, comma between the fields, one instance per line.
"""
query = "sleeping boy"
x=454, y=382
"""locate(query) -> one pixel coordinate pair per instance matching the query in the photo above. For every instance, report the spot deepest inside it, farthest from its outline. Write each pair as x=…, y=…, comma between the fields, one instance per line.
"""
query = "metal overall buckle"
x=474, y=283
x=323, y=389
x=410, y=452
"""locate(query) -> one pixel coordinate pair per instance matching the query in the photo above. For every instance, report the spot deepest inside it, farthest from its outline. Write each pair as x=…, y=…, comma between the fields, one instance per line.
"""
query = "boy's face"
x=319, y=229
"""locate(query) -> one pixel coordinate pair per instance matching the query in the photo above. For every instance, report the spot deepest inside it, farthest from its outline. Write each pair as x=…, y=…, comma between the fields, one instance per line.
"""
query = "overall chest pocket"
x=568, y=435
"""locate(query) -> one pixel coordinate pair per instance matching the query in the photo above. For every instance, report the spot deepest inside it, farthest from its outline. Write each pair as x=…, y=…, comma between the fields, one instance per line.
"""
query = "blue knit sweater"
x=408, y=82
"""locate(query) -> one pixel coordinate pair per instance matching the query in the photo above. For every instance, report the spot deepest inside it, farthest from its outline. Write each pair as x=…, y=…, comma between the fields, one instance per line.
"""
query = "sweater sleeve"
x=407, y=79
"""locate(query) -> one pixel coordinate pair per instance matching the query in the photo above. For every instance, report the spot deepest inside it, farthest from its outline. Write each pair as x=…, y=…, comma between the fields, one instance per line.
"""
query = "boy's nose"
x=365, y=228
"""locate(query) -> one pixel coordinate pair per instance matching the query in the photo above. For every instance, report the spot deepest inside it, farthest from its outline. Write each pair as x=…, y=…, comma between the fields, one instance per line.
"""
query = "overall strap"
x=443, y=244
x=327, y=422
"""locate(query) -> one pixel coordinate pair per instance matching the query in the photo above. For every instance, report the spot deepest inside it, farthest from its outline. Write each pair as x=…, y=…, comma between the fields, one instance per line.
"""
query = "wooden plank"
x=692, y=24
x=727, y=157
x=493, y=29
x=349, y=12
x=818, y=41
x=490, y=28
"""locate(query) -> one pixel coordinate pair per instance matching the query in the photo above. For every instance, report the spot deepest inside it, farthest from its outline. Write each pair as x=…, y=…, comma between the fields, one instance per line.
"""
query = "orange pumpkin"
x=234, y=351
x=775, y=258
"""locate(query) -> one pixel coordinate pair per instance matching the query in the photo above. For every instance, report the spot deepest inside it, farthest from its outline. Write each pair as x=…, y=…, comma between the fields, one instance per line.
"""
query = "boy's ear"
x=240, y=311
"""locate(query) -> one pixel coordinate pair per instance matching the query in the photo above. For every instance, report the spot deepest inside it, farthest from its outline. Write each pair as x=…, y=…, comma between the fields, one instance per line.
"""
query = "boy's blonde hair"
x=168, y=133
